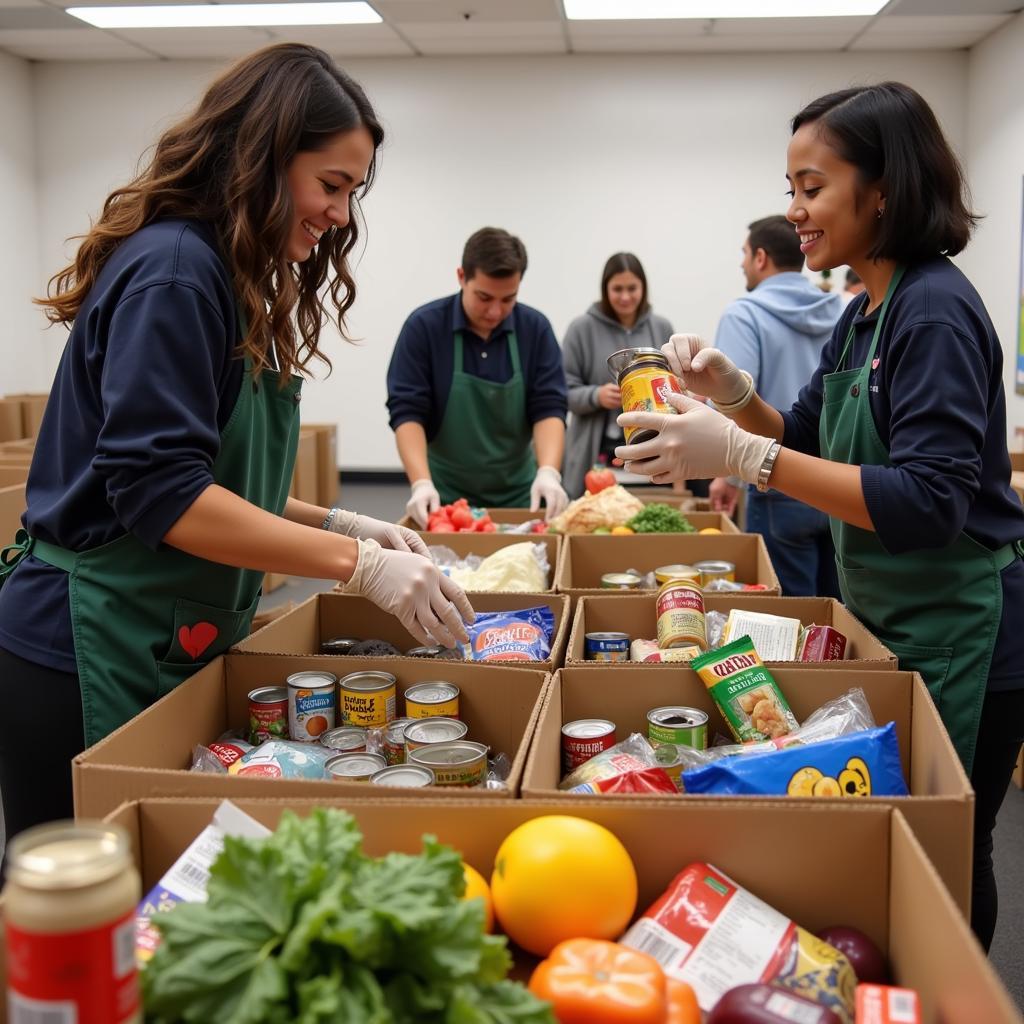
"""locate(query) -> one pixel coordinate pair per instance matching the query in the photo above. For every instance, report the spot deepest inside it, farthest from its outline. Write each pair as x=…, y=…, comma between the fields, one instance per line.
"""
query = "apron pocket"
x=931, y=662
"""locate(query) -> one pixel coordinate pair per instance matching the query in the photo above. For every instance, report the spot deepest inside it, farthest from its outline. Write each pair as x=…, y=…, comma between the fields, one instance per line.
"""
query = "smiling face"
x=625, y=292
x=834, y=211
x=321, y=183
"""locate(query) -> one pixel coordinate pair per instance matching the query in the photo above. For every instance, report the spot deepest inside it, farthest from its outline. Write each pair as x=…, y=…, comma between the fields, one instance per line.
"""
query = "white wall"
x=995, y=147
x=669, y=157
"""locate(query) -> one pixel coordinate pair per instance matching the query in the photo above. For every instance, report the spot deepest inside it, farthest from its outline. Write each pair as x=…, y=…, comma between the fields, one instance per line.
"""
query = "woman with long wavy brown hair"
x=159, y=494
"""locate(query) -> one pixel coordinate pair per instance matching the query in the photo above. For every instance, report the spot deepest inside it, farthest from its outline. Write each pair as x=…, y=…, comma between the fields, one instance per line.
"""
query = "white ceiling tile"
x=488, y=30
x=348, y=40
x=956, y=7
x=22, y=3
x=680, y=28
x=69, y=44
x=404, y=11
x=952, y=24
x=776, y=27
x=505, y=45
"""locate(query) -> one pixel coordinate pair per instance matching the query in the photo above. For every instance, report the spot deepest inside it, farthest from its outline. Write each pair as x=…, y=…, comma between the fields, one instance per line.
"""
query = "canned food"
x=457, y=763
x=432, y=699
x=681, y=622
x=348, y=739
x=425, y=732
x=311, y=705
x=355, y=767
x=621, y=581
x=412, y=775
x=268, y=714
x=368, y=699
x=664, y=573
x=393, y=746
x=339, y=645
x=713, y=570
x=606, y=646
x=667, y=756
x=583, y=739
x=437, y=652
x=678, y=726
x=645, y=381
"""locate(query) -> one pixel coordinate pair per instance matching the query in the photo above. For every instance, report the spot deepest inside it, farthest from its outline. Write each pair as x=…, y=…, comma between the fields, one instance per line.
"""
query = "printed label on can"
x=311, y=713
x=432, y=700
x=681, y=622
x=606, y=647
x=583, y=740
x=678, y=727
x=647, y=390
x=268, y=719
x=372, y=709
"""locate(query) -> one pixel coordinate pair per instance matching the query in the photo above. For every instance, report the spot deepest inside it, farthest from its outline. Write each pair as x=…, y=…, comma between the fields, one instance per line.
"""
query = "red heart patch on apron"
x=195, y=639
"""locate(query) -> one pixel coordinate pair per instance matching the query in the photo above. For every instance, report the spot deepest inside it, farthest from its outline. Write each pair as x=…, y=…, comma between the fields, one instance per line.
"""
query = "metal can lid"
x=395, y=729
x=677, y=717
x=431, y=651
x=587, y=728
x=677, y=581
x=451, y=753
x=679, y=568
x=315, y=680
x=620, y=579
x=435, y=730
x=607, y=636
x=367, y=681
x=268, y=694
x=345, y=737
x=339, y=644
x=713, y=565
x=432, y=692
x=354, y=764
x=403, y=775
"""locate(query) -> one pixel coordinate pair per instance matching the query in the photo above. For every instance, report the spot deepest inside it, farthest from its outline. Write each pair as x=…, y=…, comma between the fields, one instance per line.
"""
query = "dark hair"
x=891, y=135
x=226, y=164
x=494, y=252
x=780, y=242
x=622, y=263
x=852, y=277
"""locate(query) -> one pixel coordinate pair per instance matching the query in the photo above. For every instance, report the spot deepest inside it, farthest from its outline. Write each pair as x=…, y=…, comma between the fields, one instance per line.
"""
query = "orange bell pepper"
x=590, y=981
x=682, y=1003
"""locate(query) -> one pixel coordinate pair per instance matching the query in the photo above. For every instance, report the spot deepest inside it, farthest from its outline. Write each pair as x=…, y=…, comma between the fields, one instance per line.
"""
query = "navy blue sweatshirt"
x=420, y=372
x=937, y=399
x=147, y=381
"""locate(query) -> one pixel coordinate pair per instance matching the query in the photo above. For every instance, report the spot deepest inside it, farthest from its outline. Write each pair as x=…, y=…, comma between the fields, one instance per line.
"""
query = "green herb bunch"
x=304, y=927
x=660, y=518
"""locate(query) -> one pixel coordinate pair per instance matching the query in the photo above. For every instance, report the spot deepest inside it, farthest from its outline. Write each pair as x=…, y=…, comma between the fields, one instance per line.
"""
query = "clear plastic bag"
x=628, y=767
x=715, y=624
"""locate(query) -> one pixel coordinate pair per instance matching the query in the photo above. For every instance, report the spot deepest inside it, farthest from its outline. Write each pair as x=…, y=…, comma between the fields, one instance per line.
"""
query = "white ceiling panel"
x=347, y=40
x=683, y=28
x=68, y=44
x=712, y=43
x=929, y=33
x=506, y=45
x=409, y=11
x=21, y=3
x=432, y=30
x=957, y=7
x=781, y=27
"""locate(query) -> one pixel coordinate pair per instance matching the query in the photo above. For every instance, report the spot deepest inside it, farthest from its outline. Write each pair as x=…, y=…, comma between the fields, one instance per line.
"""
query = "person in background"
x=159, y=495
x=622, y=318
x=853, y=286
x=900, y=436
x=476, y=392
x=776, y=333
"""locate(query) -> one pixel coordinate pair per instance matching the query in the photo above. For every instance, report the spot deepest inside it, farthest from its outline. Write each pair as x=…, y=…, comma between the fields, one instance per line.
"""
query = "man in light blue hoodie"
x=776, y=333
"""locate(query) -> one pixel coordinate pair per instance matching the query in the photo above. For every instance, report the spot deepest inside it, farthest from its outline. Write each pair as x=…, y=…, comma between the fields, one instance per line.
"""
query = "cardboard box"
x=265, y=618
x=326, y=462
x=636, y=615
x=585, y=559
x=1017, y=462
x=685, y=501
x=484, y=544
x=11, y=475
x=11, y=421
x=12, y=507
x=329, y=615
x=516, y=516
x=306, y=477
x=1017, y=482
x=940, y=808
x=33, y=405
x=149, y=755
x=862, y=867
x=17, y=449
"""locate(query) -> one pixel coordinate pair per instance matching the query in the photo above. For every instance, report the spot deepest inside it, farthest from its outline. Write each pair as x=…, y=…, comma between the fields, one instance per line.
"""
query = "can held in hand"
x=346, y=739
x=664, y=573
x=425, y=732
x=606, y=646
x=368, y=699
x=432, y=699
x=715, y=570
x=584, y=739
x=268, y=714
x=679, y=726
x=646, y=381
x=621, y=581
x=681, y=622
x=408, y=775
x=311, y=705
x=456, y=763
x=354, y=767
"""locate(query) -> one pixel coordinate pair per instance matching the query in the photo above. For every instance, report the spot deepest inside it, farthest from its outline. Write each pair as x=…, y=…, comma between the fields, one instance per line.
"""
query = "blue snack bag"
x=520, y=635
x=865, y=763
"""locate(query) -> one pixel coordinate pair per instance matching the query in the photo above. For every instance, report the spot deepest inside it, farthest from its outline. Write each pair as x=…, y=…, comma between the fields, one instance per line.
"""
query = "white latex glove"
x=697, y=444
x=547, y=487
x=387, y=535
x=432, y=607
x=706, y=370
x=723, y=494
x=423, y=500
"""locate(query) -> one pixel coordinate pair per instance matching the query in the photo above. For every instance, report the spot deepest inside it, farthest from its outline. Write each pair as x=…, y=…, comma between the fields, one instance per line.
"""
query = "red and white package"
x=628, y=767
x=886, y=1004
x=821, y=643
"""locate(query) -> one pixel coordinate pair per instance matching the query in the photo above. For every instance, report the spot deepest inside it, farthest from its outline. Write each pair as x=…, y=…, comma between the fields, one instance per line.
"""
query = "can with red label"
x=583, y=739
x=646, y=382
x=821, y=643
x=268, y=714
x=681, y=622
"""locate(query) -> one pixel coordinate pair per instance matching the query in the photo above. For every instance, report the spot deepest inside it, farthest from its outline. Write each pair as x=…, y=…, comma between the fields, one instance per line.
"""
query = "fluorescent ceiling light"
x=348, y=12
x=643, y=10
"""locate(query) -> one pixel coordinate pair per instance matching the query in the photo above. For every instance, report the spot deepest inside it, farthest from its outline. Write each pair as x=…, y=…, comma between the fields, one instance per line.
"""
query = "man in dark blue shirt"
x=476, y=392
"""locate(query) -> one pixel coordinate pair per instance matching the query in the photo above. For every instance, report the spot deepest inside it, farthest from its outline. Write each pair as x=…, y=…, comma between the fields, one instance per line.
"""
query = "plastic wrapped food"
x=715, y=623
x=520, y=568
x=775, y=637
x=284, y=759
x=520, y=635
x=614, y=506
x=628, y=767
x=648, y=652
x=218, y=757
x=766, y=1004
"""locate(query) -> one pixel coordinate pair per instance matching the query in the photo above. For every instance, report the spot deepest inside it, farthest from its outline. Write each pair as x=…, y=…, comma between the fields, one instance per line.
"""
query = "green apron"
x=483, y=450
x=937, y=609
x=143, y=621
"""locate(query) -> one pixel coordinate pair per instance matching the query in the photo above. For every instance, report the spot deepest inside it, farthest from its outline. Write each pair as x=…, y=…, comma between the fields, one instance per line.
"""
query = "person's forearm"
x=549, y=442
x=222, y=527
x=302, y=512
x=761, y=418
x=411, y=439
x=832, y=487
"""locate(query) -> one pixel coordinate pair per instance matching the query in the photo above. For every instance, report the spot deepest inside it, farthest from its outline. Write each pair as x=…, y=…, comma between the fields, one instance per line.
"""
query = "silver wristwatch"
x=765, y=472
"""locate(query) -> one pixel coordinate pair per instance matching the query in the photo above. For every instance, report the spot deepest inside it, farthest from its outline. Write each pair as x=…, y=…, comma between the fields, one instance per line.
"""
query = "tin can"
x=680, y=607
x=346, y=739
x=368, y=699
x=354, y=767
x=606, y=646
x=621, y=581
x=437, y=652
x=411, y=775
x=678, y=726
x=712, y=570
x=268, y=714
x=393, y=744
x=667, y=757
x=456, y=763
x=432, y=699
x=425, y=732
x=583, y=739
x=664, y=573
x=646, y=381
x=339, y=645
x=311, y=705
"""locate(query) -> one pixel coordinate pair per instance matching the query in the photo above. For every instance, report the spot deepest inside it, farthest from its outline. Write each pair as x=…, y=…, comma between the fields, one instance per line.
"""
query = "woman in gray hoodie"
x=621, y=319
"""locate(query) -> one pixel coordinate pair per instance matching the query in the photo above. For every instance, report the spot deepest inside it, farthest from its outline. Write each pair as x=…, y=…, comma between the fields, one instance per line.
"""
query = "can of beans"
x=393, y=744
x=356, y=767
x=664, y=573
x=311, y=705
x=584, y=739
x=715, y=570
x=606, y=646
x=425, y=732
x=339, y=645
x=679, y=726
x=268, y=714
x=646, y=381
x=621, y=581
x=368, y=699
x=346, y=739
x=432, y=699
x=455, y=763
x=681, y=622
x=407, y=775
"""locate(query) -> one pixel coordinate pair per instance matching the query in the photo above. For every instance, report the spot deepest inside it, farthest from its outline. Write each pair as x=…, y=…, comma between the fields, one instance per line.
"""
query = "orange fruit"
x=621, y=531
x=710, y=529
x=476, y=885
x=558, y=877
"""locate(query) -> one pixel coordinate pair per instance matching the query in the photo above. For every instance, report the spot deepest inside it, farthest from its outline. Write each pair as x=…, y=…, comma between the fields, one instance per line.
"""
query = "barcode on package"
x=789, y=1009
x=657, y=941
x=903, y=1007
x=31, y=1011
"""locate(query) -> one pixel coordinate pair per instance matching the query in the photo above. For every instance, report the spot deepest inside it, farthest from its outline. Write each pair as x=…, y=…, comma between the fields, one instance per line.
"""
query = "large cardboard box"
x=484, y=544
x=637, y=616
x=326, y=462
x=11, y=475
x=33, y=405
x=12, y=507
x=12, y=424
x=149, y=756
x=941, y=805
x=862, y=867
x=329, y=615
x=585, y=559
x=1017, y=462
x=306, y=478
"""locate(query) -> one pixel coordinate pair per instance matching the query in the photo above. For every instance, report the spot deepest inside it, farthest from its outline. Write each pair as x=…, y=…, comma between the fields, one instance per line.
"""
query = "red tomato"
x=461, y=517
x=442, y=526
x=598, y=478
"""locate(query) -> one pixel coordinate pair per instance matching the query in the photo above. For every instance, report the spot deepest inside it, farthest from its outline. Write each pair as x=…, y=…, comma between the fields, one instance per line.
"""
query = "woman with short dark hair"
x=901, y=434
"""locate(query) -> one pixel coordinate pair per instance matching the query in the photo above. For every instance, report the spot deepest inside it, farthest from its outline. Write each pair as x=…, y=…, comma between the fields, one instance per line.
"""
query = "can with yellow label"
x=645, y=380
x=368, y=699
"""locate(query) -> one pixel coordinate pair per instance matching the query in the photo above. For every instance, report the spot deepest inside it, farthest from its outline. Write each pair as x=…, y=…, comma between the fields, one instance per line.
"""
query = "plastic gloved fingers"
x=413, y=627
x=454, y=593
x=413, y=541
x=444, y=623
x=643, y=420
x=392, y=537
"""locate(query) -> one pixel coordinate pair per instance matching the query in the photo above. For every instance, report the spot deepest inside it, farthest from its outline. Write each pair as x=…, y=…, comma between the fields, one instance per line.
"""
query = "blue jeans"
x=799, y=543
